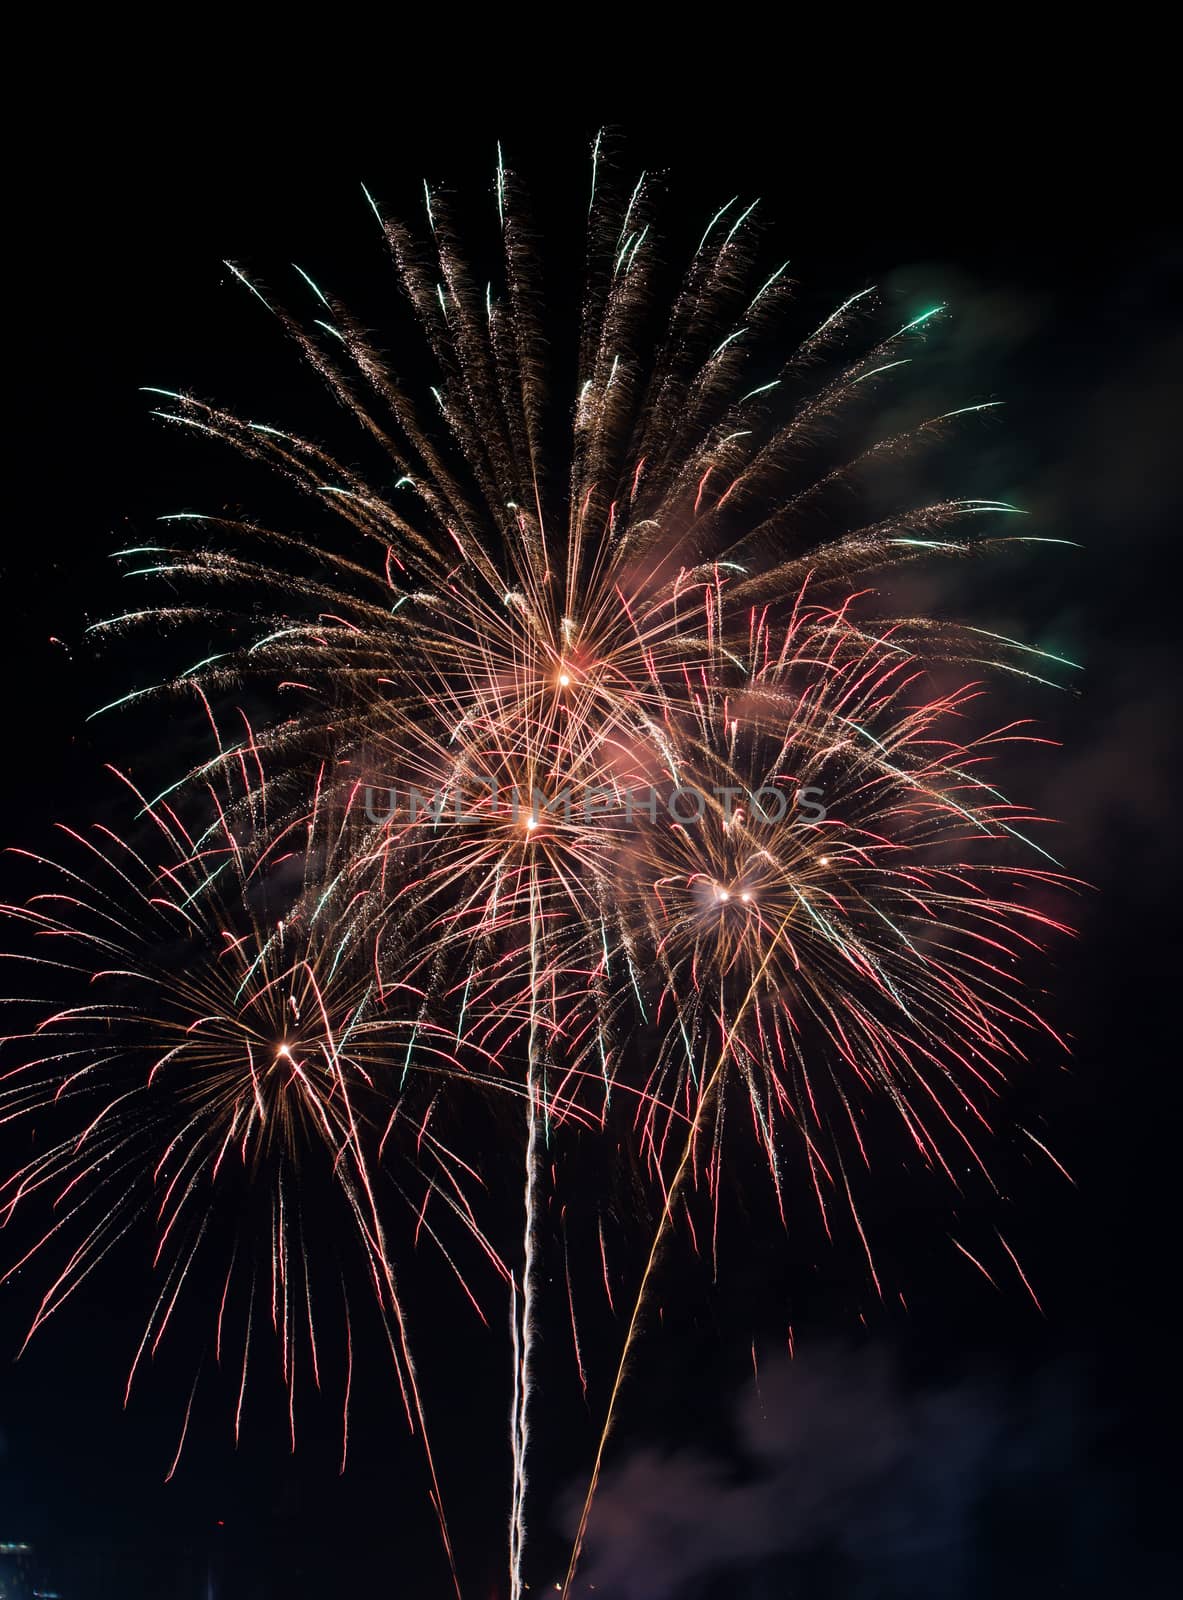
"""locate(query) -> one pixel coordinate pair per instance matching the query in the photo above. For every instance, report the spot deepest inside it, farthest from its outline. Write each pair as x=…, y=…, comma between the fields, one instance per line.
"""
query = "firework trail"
x=511, y=608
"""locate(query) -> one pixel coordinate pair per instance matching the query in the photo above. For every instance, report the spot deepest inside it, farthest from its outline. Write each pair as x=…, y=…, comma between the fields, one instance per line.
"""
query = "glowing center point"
x=564, y=680
x=825, y=860
x=745, y=897
x=531, y=824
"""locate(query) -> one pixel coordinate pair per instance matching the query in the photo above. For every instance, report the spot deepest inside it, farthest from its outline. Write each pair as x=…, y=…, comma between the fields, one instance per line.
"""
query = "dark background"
x=1046, y=235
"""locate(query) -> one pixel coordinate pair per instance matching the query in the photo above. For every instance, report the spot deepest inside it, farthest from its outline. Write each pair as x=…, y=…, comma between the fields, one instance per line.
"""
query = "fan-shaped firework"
x=527, y=649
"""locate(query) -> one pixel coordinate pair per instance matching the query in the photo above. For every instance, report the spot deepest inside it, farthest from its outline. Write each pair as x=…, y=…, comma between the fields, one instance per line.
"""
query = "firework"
x=823, y=959
x=236, y=1069
x=537, y=648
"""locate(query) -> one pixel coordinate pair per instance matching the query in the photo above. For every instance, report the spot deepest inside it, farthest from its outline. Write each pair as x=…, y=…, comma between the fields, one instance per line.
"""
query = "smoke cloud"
x=846, y=1480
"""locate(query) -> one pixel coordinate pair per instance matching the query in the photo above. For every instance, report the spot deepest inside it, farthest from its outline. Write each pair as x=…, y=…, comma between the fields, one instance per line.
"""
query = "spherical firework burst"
x=844, y=909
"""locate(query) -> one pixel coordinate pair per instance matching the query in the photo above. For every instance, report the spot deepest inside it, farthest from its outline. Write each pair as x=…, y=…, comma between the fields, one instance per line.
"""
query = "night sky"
x=967, y=1446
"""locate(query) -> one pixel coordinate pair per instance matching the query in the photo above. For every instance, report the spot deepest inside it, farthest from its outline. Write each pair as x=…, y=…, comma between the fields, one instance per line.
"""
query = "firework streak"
x=267, y=991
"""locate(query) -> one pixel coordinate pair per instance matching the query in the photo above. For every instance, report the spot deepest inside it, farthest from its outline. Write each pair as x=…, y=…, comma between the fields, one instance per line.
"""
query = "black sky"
x=1053, y=251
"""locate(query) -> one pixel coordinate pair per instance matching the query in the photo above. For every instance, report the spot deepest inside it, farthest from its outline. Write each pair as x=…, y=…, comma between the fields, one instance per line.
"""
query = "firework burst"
x=237, y=1070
